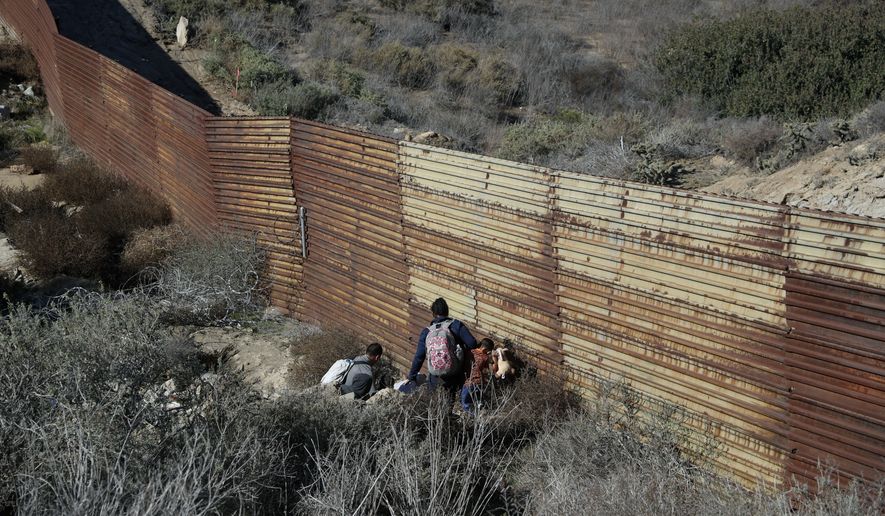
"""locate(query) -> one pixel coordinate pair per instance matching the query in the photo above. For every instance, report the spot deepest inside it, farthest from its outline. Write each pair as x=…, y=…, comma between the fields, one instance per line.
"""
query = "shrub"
x=456, y=65
x=802, y=63
x=210, y=279
x=41, y=158
x=20, y=203
x=871, y=120
x=410, y=67
x=595, y=76
x=91, y=429
x=496, y=82
x=345, y=79
x=150, y=247
x=542, y=138
x=747, y=140
x=122, y=213
x=434, y=9
x=17, y=63
x=52, y=244
x=306, y=100
x=317, y=352
x=81, y=182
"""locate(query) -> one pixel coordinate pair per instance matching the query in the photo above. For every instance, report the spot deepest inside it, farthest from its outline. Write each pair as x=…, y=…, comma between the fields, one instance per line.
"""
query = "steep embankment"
x=849, y=178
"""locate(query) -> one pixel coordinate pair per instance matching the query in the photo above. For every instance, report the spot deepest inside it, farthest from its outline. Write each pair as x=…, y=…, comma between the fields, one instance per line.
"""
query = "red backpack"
x=444, y=355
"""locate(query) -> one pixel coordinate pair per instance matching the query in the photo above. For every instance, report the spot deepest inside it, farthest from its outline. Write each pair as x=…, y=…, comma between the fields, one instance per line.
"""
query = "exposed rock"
x=849, y=178
x=181, y=32
x=22, y=169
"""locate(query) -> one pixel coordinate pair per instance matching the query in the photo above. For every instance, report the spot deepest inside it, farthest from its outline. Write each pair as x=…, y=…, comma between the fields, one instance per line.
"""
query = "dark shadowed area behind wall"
x=108, y=28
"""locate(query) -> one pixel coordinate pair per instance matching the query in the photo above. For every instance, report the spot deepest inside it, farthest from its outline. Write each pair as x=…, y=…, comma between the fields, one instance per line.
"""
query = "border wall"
x=767, y=323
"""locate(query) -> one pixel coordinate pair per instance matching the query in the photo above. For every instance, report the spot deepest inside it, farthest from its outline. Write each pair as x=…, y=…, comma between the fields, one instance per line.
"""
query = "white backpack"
x=337, y=374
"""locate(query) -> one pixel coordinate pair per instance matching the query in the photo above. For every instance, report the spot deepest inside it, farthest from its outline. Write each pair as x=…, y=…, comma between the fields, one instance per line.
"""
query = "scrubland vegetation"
x=615, y=88
x=109, y=408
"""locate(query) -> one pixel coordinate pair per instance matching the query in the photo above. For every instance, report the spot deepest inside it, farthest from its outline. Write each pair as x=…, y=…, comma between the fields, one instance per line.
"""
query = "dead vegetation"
x=495, y=77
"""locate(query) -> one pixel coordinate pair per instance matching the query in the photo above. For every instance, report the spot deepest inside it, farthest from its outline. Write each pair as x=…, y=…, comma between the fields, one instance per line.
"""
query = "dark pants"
x=471, y=398
x=452, y=384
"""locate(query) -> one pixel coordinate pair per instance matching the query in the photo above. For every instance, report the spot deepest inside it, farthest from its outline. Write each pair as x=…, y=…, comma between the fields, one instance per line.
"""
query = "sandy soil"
x=9, y=256
x=261, y=353
x=849, y=178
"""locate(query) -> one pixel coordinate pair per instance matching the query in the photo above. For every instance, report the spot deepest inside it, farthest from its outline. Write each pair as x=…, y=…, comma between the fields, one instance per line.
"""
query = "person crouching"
x=480, y=363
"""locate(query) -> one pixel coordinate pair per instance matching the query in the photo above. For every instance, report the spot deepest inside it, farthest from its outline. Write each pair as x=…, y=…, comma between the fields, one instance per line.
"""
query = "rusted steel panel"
x=32, y=21
x=836, y=375
x=681, y=295
x=842, y=247
x=355, y=273
x=478, y=232
x=254, y=192
x=674, y=218
x=138, y=130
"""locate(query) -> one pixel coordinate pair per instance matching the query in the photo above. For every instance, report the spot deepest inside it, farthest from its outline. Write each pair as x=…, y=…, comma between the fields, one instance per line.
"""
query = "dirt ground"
x=262, y=353
x=849, y=179
x=8, y=256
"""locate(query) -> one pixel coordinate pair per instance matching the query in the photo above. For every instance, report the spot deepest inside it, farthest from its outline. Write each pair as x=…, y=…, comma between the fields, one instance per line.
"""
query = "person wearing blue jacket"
x=463, y=337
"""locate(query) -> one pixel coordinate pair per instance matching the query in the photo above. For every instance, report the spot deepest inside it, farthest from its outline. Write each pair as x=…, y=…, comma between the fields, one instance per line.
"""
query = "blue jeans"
x=471, y=395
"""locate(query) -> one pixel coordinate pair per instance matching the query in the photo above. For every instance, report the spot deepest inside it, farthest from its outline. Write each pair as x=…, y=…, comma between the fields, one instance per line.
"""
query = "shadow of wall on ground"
x=108, y=28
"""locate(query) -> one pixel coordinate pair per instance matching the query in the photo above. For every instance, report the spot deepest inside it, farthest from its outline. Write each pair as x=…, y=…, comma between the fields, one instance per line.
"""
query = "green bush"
x=456, y=64
x=802, y=63
x=306, y=100
x=411, y=67
x=347, y=80
x=497, y=82
x=539, y=139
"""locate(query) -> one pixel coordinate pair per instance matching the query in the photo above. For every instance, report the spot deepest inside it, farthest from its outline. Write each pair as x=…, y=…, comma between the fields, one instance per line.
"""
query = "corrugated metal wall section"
x=682, y=295
x=478, y=234
x=835, y=361
x=836, y=373
x=254, y=192
x=138, y=130
x=32, y=20
x=355, y=273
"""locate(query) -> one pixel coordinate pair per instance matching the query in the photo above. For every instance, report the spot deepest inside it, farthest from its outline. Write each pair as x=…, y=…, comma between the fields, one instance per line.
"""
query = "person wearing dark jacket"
x=463, y=337
x=361, y=377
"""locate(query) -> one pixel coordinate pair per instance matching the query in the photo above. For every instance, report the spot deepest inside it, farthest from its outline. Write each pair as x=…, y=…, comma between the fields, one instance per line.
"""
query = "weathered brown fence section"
x=835, y=352
x=138, y=129
x=682, y=295
x=479, y=234
x=766, y=323
x=355, y=273
x=254, y=192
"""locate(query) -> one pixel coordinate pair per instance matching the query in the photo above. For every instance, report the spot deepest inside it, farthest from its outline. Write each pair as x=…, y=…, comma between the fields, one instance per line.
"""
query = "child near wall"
x=480, y=365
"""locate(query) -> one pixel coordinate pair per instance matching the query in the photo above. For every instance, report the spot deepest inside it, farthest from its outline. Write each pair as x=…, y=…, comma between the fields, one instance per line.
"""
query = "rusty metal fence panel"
x=836, y=348
x=355, y=272
x=836, y=373
x=255, y=193
x=682, y=296
x=478, y=234
x=138, y=130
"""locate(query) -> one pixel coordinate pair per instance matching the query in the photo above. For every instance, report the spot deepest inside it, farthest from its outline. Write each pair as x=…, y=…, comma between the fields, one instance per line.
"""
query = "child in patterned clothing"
x=480, y=363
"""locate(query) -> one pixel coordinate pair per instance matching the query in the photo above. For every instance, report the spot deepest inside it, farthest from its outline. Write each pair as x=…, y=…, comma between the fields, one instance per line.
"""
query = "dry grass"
x=42, y=159
x=316, y=352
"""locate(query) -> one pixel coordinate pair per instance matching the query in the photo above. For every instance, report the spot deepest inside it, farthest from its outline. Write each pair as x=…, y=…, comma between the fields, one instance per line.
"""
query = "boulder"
x=181, y=32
